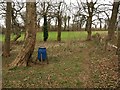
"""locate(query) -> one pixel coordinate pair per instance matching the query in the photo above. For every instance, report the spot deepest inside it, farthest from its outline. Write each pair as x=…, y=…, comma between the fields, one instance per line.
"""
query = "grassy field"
x=53, y=35
x=73, y=63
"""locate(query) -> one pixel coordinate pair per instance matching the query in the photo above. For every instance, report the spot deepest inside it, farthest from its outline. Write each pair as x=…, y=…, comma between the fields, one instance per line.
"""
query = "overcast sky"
x=67, y=1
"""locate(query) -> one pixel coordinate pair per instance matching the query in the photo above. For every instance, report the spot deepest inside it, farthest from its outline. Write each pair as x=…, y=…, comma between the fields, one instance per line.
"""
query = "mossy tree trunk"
x=24, y=56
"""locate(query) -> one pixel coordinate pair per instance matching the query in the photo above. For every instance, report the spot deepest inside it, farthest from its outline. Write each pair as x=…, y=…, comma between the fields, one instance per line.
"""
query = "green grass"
x=53, y=35
x=72, y=64
x=62, y=70
x=1, y=37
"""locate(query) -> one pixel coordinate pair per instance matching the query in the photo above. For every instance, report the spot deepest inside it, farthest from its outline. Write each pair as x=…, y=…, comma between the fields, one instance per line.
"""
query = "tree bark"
x=112, y=23
x=6, y=49
x=56, y=23
x=59, y=17
x=118, y=53
x=45, y=28
x=49, y=24
x=59, y=28
x=65, y=22
x=89, y=20
x=100, y=24
x=88, y=28
x=68, y=22
x=26, y=52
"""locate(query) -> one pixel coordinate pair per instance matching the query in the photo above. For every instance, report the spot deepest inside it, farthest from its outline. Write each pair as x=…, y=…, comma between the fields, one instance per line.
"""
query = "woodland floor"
x=72, y=64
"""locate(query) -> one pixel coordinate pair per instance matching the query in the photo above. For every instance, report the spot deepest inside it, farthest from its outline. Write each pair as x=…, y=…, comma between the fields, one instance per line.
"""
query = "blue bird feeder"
x=42, y=54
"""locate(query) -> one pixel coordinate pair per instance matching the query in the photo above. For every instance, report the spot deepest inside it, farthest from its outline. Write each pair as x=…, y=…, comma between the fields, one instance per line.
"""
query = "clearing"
x=72, y=63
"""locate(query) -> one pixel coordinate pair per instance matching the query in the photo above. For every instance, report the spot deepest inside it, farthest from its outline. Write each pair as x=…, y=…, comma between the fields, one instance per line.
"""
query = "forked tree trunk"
x=25, y=54
x=59, y=17
x=6, y=48
x=112, y=23
x=89, y=20
x=15, y=27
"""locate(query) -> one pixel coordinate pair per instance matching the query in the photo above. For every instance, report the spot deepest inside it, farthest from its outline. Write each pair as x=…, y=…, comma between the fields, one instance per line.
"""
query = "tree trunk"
x=65, y=26
x=68, y=22
x=45, y=28
x=88, y=28
x=59, y=28
x=118, y=53
x=25, y=54
x=56, y=24
x=100, y=24
x=77, y=24
x=80, y=25
x=65, y=22
x=49, y=25
x=6, y=49
x=112, y=23
x=89, y=20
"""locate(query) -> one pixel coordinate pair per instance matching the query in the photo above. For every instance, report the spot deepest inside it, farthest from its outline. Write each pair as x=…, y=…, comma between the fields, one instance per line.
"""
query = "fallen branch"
x=111, y=45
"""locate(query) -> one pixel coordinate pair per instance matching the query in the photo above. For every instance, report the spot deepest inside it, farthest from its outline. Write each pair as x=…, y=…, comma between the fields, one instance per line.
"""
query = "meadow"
x=53, y=35
x=73, y=63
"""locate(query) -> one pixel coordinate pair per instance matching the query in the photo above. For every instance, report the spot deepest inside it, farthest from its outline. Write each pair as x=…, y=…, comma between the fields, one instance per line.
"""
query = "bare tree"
x=59, y=17
x=113, y=20
x=45, y=25
x=24, y=56
x=44, y=9
x=16, y=11
x=6, y=49
x=91, y=8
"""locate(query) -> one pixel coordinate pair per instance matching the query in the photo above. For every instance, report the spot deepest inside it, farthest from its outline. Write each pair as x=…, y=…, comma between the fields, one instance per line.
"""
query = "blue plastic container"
x=42, y=52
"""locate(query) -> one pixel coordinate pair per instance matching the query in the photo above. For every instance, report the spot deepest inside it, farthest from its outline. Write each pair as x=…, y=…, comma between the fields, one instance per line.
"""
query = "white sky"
x=67, y=1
